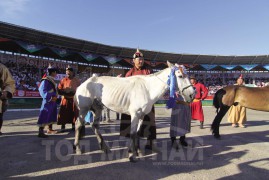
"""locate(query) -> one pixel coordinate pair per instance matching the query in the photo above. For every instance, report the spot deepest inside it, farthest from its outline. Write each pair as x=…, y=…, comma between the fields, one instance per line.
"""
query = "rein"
x=186, y=88
x=161, y=80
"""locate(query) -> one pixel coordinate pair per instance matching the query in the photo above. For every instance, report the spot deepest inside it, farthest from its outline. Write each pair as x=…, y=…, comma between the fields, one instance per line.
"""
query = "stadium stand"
x=27, y=52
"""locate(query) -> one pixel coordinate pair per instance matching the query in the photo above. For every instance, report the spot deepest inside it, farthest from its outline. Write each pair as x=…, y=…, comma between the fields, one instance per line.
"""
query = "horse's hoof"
x=133, y=159
x=139, y=152
x=78, y=152
x=107, y=151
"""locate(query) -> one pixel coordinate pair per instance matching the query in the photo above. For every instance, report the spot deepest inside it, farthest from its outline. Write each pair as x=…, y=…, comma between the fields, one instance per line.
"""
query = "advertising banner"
x=61, y=52
x=26, y=94
x=111, y=59
x=248, y=67
x=29, y=47
x=87, y=56
x=228, y=67
x=208, y=66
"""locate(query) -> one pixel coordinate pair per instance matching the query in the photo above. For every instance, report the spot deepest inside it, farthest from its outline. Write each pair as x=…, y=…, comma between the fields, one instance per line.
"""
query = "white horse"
x=131, y=95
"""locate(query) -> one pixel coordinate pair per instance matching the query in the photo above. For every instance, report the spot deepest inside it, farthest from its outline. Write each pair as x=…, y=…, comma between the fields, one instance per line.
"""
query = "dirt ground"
x=241, y=152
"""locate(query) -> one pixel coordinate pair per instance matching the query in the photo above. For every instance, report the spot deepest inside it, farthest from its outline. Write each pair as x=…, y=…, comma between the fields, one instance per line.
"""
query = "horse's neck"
x=157, y=84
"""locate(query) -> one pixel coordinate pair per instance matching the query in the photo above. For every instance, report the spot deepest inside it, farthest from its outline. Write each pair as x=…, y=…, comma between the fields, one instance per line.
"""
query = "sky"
x=206, y=27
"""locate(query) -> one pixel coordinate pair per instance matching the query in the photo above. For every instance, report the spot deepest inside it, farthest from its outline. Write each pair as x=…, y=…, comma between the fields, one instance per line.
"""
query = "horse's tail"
x=217, y=100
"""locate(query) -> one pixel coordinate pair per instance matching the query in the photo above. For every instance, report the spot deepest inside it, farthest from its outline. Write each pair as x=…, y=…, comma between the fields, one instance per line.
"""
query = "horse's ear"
x=169, y=64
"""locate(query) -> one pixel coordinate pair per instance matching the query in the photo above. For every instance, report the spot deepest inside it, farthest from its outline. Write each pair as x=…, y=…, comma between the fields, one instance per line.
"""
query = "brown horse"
x=256, y=98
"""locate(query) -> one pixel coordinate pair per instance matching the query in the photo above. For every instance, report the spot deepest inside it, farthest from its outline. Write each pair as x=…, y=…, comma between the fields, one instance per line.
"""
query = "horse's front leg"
x=79, y=124
x=133, y=151
x=96, y=125
x=216, y=123
x=140, y=122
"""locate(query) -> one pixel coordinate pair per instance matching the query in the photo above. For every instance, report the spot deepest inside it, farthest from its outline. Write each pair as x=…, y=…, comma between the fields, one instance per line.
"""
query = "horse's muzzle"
x=192, y=96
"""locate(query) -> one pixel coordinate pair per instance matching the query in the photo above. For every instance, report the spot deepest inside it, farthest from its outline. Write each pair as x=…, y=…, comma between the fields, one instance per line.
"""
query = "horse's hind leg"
x=216, y=123
x=96, y=125
x=79, y=124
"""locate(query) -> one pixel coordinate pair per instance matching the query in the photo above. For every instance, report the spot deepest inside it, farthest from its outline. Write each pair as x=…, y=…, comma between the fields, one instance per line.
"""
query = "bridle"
x=186, y=88
x=183, y=89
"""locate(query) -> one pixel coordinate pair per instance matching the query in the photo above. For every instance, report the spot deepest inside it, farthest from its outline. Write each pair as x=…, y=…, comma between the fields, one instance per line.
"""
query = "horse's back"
x=121, y=93
x=256, y=98
x=250, y=97
x=118, y=94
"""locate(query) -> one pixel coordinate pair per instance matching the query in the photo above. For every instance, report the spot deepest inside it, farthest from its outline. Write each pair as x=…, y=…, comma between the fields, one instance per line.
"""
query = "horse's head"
x=183, y=83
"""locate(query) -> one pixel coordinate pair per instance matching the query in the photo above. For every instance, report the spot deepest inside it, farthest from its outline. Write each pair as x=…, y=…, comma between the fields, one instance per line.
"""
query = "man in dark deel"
x=148, y=127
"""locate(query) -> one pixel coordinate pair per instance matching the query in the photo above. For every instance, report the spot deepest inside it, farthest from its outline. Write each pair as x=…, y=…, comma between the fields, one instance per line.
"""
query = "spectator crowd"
x=28, y=77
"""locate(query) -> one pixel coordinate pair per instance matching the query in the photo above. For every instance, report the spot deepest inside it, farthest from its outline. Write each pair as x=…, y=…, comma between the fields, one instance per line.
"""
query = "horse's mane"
x=153, y=74
x=157, y=73
x=148, y=75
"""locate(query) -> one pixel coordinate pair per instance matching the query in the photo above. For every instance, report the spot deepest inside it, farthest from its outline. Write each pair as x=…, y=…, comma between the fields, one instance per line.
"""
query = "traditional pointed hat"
x=69, y=68
x=51, y=68
x=137, y=54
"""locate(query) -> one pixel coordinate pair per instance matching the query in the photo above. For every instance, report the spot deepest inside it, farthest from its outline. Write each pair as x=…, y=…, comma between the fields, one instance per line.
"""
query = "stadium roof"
x=19, y=33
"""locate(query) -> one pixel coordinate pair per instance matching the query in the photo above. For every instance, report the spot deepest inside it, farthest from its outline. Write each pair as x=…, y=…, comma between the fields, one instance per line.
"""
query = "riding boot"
x=41, y=133
x=182, y=141
x=173, y=143
x=118, y=116
x=63, y=128
x=201, y=124
x=73, y=127
x=150, y=146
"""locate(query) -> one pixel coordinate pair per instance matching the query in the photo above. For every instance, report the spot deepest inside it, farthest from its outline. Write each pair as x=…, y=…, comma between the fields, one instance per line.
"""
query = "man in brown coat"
x=7, y=88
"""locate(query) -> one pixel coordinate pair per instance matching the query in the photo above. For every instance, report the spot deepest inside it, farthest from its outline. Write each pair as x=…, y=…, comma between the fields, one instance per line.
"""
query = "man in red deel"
x=196, y=106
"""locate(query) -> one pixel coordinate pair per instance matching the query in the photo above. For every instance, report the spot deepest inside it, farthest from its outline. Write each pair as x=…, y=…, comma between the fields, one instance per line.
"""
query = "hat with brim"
x=192, y=77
